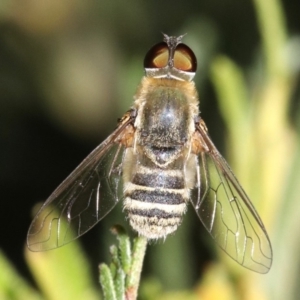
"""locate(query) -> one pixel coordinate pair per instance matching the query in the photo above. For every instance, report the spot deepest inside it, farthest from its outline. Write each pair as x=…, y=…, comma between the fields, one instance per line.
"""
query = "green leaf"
x=12, y=285
x=107, y=283
x=62, y=273
x=124, y=247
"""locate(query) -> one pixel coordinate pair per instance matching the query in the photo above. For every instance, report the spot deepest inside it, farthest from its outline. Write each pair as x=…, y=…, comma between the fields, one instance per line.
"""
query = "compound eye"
x=157, y=56
x=185, y=59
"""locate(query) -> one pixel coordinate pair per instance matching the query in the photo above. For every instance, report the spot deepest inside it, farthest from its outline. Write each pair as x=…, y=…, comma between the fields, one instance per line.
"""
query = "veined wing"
x=227, y=212
x=83, y=199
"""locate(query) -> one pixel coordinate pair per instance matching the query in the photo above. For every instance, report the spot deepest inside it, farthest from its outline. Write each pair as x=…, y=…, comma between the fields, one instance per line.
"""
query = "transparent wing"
x=82, y=200
x=227, y=213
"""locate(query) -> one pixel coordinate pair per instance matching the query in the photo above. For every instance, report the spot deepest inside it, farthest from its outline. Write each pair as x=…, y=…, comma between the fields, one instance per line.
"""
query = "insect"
x=159, y=159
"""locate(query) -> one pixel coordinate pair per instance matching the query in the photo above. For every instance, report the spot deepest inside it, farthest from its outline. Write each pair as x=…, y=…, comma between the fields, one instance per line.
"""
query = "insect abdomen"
x=155, y=201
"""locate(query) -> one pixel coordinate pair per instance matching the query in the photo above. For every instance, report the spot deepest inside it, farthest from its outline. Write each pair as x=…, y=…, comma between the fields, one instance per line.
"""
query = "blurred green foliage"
x=77, y=64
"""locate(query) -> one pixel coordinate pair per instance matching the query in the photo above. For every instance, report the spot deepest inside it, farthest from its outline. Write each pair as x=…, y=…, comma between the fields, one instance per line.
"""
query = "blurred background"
x=69, y=70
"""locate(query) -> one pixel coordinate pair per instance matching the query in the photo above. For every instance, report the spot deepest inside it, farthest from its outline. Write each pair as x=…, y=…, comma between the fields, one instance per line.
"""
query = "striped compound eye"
x=157, y=56
x=183, y=58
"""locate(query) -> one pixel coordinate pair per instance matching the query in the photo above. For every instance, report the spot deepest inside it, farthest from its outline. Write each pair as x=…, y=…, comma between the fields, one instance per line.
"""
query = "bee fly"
x=158, y=159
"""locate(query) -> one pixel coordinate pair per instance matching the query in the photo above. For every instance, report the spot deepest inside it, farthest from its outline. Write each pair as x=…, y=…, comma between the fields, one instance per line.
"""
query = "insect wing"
x=227, y=212
x=82, y=200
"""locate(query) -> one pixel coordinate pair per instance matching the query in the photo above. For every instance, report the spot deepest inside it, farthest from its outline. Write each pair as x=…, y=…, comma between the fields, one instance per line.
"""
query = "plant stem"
x=121, y=280
x=139, y=249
